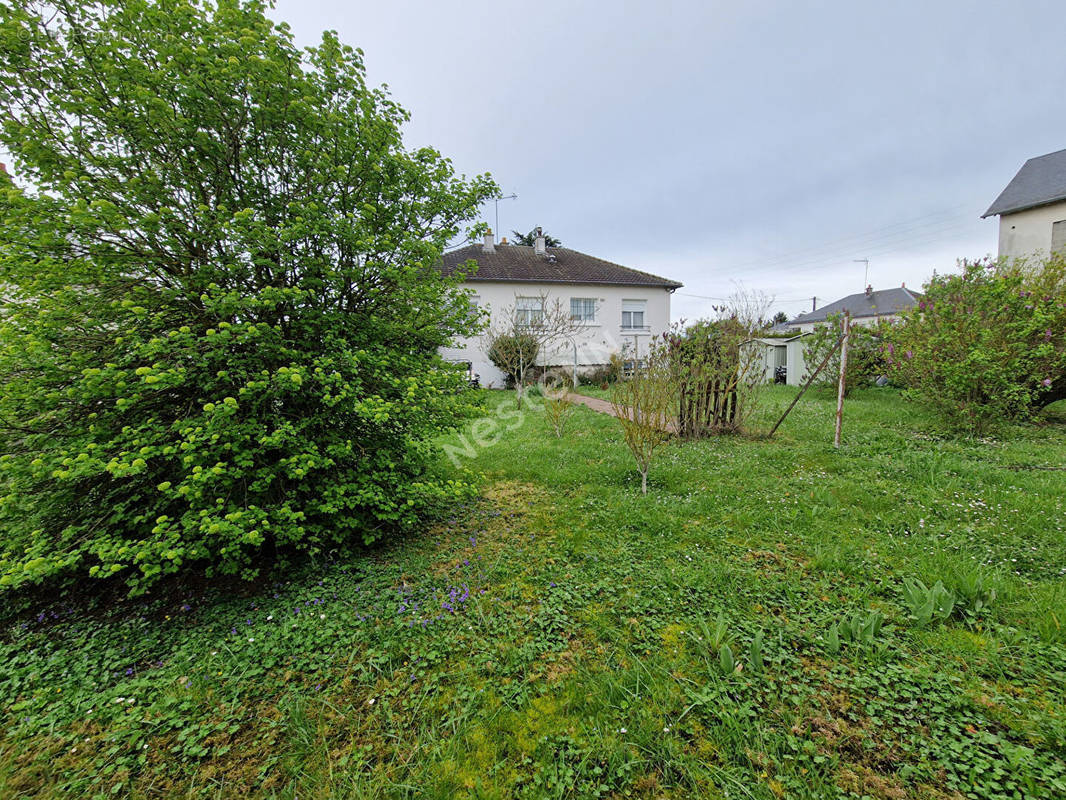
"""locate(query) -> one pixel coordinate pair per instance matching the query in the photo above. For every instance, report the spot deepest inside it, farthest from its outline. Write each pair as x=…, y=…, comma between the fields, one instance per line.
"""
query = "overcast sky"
x=715, y=143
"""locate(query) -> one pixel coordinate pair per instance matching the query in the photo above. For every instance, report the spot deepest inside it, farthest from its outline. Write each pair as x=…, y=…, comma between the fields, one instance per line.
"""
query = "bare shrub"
x=556, y=391
x=524, y=331
x=645, y=404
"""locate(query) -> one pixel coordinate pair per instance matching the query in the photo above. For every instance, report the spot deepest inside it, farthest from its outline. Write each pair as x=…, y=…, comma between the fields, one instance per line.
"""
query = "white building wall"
x=809, y=327
x=595, y=342
x=1027, y=233
x=796, y=366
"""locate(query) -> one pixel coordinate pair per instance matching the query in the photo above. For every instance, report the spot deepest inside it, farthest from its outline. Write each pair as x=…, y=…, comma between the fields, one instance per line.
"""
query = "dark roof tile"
x=1040, y=181
x=511, y=262
x=877, y=303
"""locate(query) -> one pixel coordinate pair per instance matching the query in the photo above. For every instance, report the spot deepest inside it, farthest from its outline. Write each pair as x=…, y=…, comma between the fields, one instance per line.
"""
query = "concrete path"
x=606, y=407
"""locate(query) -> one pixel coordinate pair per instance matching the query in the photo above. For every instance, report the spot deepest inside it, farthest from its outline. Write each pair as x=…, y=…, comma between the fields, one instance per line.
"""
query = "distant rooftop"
x=512, y=262
x=877, y=303
x=1040, y=181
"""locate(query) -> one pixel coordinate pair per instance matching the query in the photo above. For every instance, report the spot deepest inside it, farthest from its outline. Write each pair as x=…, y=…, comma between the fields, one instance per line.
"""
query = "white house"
x=1032, y=209
x=620, y=309
x=866, y=308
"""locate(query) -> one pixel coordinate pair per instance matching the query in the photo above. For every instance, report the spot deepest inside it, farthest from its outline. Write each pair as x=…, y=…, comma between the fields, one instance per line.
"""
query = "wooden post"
x=843, y=369
x=806, y=386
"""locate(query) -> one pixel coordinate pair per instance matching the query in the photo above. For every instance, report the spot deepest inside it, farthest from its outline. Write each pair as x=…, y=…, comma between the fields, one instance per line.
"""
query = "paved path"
x=606, y=407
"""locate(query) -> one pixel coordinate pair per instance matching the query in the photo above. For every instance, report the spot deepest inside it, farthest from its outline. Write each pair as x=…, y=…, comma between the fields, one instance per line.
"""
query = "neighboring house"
x=866, y=308
x=1032, y=209
x=620, y=308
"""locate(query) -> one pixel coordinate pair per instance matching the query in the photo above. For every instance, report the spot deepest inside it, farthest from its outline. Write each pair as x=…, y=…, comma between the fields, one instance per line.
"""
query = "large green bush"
x=986, y=344
x=219, y=314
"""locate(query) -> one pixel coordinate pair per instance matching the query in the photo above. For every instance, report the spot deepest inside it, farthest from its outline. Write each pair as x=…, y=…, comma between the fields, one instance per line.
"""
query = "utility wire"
x=858, y=240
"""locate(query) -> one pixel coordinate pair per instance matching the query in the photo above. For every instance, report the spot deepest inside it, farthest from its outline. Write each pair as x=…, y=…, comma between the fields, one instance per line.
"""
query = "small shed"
x=795, y=360
x=774, y=355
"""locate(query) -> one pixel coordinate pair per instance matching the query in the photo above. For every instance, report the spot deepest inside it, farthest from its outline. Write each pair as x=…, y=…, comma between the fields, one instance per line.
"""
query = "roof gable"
x=1040, y=181
x=518, y=263
x=882, y=302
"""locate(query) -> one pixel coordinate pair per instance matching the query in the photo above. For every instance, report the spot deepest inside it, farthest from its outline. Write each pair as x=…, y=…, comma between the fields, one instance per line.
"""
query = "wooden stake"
x=843, y=369
x=806, y=386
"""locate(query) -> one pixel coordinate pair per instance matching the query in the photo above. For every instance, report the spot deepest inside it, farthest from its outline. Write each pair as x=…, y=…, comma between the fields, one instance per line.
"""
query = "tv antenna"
x=496, y=202
x=866, y=277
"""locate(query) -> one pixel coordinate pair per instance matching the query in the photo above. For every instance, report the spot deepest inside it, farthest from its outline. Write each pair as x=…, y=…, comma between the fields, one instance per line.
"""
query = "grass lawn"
x=564, y=636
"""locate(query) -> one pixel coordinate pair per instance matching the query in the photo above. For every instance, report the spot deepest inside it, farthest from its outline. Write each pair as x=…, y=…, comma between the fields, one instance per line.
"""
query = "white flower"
x=251, y=638
x=270, y=617
x=321, y=616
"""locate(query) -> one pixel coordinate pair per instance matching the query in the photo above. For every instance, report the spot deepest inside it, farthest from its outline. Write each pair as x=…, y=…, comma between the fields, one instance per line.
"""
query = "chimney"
x=490, y=242
x=504, y=240
x=869, y=290
x=903, y=285
x=538, y=246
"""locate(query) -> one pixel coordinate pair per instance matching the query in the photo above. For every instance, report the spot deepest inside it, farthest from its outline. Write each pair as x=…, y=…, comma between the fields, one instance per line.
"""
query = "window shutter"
x=1058, y=236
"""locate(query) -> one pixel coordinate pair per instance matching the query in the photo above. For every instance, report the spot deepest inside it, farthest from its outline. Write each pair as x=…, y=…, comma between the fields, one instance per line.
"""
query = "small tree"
x=558, y=406
x=986, y=344
x=865, y=357
x=524, y=332
x=511, y=353
x=530, y=239
x=645, y=405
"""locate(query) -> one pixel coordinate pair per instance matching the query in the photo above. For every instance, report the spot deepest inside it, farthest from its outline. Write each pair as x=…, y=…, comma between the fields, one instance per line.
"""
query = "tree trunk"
x=644, y=482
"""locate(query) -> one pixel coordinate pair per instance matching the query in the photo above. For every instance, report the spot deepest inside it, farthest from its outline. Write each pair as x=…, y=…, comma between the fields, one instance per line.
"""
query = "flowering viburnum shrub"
x=219, y=315
x=986, y=344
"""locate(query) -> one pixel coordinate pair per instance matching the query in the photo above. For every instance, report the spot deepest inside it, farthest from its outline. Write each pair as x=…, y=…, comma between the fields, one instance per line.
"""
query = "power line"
x=860, y=241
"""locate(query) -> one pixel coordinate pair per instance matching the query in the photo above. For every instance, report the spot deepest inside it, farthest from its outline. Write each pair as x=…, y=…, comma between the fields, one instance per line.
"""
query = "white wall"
x=1028, y=233
x=596, y=341
x=772, y=354
x=809, y=327
x=796, y=366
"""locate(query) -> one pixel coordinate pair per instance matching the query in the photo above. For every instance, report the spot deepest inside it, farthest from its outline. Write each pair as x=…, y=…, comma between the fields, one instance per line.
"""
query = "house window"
x=529, y=311
x=583, y=309
x=1058, y=236
x=633, y=314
